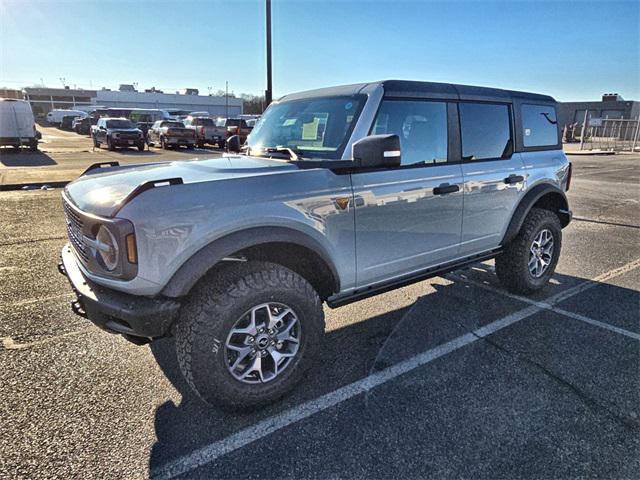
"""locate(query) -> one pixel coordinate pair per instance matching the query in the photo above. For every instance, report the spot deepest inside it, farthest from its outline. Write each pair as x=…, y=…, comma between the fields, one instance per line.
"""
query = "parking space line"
x=550, y=303
x=21, y=303
x=7, y=343
x=215, y=450
x=597, y=323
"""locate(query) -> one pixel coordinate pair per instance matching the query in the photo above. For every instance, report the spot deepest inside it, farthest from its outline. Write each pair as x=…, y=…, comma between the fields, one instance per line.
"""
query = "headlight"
x=107, y=248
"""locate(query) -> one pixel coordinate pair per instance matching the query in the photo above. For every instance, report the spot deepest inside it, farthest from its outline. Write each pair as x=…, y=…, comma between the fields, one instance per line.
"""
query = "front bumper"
x=122, y=142
x=135, y=317
x=180, y=141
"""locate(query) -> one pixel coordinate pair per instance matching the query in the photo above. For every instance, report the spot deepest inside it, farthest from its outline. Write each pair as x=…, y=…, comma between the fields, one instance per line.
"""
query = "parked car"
x=82, y=126
x=67, y=122
x=235, y=126
x=54, y=117
x=206, y=131
x=340, y=194
x=168, y=133
x=17, y=126
x=117, y=132
x=145, y=118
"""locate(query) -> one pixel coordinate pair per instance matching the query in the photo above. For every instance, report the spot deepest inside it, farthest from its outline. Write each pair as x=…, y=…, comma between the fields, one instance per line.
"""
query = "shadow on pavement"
x=10, y=157
x=349, y=354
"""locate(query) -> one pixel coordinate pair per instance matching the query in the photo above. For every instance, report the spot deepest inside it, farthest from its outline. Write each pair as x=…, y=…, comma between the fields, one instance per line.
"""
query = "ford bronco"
x=338, y=194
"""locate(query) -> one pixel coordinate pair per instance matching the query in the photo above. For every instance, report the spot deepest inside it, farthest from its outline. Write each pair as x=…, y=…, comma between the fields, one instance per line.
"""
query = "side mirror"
x=377, y=151
x=233, y=144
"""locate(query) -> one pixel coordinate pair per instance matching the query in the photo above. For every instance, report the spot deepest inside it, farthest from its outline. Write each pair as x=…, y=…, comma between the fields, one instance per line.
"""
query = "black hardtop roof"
x=415, y=89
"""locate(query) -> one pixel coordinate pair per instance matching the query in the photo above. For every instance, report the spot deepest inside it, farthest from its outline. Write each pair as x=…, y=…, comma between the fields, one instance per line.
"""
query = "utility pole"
x=226, y=99
x=268, y=94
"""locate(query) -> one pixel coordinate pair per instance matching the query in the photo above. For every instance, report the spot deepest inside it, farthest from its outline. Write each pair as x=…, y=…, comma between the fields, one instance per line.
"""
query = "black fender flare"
x=527, y=203
x=208, y=256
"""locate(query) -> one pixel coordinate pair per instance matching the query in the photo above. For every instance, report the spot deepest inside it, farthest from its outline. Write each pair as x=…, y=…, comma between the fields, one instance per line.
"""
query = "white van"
x=54, y=117
x=17, y=127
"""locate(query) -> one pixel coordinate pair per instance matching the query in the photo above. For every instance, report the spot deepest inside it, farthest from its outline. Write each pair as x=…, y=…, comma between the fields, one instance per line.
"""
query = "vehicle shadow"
x=10, y=157
x=450, y=308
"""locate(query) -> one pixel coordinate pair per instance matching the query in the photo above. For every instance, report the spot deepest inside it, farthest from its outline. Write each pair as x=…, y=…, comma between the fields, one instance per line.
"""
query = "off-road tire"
x=212, y=309
x=512, y=265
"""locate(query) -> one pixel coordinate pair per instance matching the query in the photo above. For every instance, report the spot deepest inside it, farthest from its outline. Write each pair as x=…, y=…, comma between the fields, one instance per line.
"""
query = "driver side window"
x=421, y=126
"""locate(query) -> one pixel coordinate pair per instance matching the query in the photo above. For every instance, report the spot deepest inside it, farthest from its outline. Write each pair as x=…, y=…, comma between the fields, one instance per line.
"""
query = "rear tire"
x=524, y=267
x=218, y=305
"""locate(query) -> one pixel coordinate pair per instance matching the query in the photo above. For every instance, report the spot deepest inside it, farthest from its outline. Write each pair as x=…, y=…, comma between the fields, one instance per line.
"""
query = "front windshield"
x=316, y=127
x=120, y=124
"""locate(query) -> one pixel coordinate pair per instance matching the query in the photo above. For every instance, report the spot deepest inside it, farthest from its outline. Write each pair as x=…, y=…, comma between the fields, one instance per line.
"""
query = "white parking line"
x=215, y=450
x=550, y=303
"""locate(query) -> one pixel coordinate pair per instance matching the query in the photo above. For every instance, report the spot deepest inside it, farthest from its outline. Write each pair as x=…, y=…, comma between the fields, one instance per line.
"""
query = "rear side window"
x=539, y=126
x=485, y=131
x=421, y=126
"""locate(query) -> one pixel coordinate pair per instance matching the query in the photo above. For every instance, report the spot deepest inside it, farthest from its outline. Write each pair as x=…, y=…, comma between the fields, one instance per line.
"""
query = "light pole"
x=268, y=94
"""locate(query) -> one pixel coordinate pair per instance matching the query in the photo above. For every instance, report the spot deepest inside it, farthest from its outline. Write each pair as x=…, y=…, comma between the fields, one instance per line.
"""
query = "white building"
x=216, y=106
x=45, y=99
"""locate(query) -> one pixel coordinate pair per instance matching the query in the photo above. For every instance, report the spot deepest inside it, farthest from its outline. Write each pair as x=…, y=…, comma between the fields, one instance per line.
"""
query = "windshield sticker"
x=310, y=130
x=289, y=121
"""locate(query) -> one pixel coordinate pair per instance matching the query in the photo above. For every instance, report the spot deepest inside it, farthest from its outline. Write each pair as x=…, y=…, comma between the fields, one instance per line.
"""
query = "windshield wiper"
x=293, y=154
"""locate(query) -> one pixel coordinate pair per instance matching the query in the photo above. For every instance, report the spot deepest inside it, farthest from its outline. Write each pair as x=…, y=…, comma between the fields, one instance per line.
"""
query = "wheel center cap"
x=262, y=341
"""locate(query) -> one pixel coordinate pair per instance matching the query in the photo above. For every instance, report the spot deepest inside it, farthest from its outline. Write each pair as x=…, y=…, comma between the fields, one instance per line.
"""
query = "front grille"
x=75, y=226
x=129, y=136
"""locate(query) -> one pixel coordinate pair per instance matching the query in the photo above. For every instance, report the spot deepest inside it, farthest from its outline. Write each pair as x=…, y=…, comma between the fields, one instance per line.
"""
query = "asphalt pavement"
x=448, y=378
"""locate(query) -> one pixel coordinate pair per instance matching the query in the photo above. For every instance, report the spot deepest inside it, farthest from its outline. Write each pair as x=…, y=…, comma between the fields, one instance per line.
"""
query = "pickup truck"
x=206, y=131
x=169, y=133
x=235, y=126
x=117, y=132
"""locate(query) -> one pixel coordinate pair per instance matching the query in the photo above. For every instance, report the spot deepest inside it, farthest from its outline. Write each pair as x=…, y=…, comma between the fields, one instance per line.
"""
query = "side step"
x=372, y=290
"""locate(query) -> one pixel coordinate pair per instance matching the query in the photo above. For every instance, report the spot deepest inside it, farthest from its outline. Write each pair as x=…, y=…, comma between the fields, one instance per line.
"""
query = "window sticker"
x=310, y=130
x=527, y=132
x=288, y=122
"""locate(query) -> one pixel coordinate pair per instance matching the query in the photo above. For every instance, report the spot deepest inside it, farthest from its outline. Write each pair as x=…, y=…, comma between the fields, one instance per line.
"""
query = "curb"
x=587, y=152
x=32, y=186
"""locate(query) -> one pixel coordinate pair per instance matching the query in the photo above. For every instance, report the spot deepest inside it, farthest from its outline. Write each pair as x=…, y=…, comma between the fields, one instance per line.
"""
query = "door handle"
x=511, y=179
x=445, y=188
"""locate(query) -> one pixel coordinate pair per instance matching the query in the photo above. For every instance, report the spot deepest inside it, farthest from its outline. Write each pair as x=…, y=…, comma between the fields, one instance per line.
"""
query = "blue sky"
x=571, y=50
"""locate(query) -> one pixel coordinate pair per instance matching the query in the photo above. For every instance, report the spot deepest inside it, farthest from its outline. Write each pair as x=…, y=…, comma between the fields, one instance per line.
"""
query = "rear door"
x=493, y=174
x=409, y=218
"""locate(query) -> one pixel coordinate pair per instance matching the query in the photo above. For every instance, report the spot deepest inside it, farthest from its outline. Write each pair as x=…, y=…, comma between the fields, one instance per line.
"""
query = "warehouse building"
x=44, y=100
x=611, y=106
x=216, y=106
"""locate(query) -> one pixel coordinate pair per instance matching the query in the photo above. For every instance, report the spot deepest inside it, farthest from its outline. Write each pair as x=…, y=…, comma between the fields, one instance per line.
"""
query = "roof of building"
x=59, y=91
x=415, y=89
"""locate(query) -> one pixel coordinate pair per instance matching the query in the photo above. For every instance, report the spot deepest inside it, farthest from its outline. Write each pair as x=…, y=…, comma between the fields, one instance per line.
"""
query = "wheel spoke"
x=255, y=367
x=242, y=354
x=273, y=321
x=251, y=329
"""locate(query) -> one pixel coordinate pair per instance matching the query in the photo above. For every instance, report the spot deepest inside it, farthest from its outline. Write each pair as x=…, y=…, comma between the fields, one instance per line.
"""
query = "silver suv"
x=338, y=194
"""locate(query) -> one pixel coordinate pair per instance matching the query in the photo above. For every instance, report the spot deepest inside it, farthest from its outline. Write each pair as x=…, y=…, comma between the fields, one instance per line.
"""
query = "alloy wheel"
x=262, y=343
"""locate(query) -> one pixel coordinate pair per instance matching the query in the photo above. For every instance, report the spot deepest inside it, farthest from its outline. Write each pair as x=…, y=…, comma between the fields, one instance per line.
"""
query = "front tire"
x=232, y=349
x=529, y=260
x=110, y=144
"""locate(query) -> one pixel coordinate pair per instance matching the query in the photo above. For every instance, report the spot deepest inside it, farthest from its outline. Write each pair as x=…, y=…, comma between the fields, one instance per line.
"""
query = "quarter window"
x=485, y=131
x=539, y=126
x=421, y=126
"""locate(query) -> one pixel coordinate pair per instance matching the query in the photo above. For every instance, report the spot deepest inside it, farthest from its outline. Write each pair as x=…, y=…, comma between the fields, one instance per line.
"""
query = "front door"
x=409, y=218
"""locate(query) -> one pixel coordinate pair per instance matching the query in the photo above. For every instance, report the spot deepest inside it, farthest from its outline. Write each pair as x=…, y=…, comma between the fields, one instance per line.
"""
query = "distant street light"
x=268, y=94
